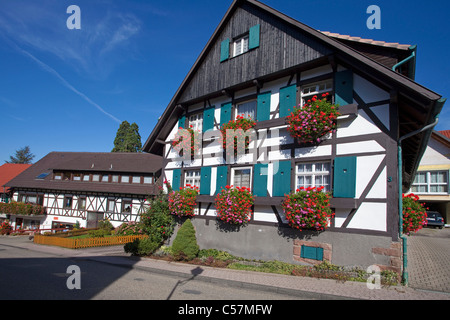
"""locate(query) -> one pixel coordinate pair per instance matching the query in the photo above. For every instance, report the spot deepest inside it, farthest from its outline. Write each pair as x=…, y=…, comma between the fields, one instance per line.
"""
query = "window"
x=43, y=175
x=196, y=122
x=313, y=175
x=111, y=205
x=125, y=179
x=82, y=203
x=96, y=177
x=115, y=178
x=192, y=177
x=240, y=46
x=136, y=179
x=430, y=182
x=57, y=176
x=148, y=180
x=105, y=178
x=308, y=91
x=86, y=177
x=68, y=202
x=126, y=206
x=247, y=109
x=241, y=177
x=77, y=177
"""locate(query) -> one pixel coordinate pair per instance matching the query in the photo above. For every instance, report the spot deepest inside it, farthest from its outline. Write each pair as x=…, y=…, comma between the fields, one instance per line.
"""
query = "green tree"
x=185, y=244
x=22, y=156
x=127, y=138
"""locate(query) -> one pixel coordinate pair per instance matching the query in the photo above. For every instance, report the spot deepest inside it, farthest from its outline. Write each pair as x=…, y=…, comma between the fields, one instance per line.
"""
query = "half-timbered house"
x=86, y=187
x=262, y=63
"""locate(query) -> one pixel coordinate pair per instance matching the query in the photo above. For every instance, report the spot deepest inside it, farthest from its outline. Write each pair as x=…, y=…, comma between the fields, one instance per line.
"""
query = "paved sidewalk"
x=429, y=260
x=302, y=286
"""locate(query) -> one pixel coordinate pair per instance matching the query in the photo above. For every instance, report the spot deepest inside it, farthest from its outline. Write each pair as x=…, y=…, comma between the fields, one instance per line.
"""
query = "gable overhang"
x=417, y=105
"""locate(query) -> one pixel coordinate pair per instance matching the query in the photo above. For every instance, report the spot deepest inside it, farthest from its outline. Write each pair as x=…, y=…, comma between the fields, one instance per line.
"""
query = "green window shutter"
x=282, y=179
x=311, y=253
x=221, y=180
x=208, y=119
x=224, y=50
x=263, y=107
x=288, y=100
x=176, y=179
x=205, y=180
x=344, y=177
x=253, y=37
x=225, y=113
x=182, y=122
x=343, y=87
x=260, y=180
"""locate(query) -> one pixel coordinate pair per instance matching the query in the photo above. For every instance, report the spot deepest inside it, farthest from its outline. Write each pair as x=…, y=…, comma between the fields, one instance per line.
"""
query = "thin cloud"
x=65, y=82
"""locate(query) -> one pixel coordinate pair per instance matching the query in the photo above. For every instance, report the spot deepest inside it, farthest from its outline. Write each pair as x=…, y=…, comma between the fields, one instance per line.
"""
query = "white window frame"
x=193, y=180
x=148, y=180
x=428, y=184
x=233, y=174
x=315, y=89
x=196, y=121
x=313, y=174
x=245, y=102
x=240, y=45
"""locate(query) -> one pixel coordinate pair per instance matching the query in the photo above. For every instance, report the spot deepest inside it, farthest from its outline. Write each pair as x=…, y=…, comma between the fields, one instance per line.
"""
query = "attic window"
x=240, y=46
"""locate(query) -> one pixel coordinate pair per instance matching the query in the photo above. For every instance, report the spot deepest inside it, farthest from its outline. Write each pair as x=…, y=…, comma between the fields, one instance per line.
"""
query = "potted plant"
x=182, y=202
x=308, y=208
x=234, y=205
x=241, y=122
x=310, y=123
x=414, y=213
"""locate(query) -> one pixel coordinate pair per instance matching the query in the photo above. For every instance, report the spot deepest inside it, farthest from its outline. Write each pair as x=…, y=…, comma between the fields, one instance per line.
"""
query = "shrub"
x=414, y=214
x=105, y=224
x=129, y=229
x=234, y=205
x=99, y=233
x=182, y=202
x=309, y=123
x=308, y=208
x=185, y=244
x=141, y=247
x=5, y=228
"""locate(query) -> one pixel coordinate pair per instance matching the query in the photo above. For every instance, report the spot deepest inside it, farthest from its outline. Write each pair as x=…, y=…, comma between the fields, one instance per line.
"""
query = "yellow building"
x=431, y=182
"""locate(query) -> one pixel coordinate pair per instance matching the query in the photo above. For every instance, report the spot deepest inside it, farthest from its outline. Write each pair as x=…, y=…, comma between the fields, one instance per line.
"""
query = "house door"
x=93, y=218
x=19, y=222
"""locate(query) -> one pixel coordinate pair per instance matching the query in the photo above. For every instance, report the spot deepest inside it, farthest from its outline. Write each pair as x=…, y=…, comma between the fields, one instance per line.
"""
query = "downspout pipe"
x=400, y=198
x=412, y=56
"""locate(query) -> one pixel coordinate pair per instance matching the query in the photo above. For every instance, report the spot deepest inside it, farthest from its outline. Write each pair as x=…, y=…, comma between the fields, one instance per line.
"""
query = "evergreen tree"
x=127, y=138
x=22, y=156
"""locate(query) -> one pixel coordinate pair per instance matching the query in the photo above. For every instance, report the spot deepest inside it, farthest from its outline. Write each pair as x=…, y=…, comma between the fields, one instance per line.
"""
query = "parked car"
x=434, y=219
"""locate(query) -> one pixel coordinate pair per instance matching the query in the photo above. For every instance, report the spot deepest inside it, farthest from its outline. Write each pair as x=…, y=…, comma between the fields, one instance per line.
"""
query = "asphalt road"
x=32, y=275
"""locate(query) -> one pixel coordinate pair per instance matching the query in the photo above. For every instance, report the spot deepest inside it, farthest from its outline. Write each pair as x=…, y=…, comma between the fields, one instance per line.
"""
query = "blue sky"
x=68, y=90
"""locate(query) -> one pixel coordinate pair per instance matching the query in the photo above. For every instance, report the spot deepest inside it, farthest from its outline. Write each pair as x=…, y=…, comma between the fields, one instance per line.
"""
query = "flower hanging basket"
x=241, y=122
x=310, y=123
x=308, y=208
x=414, y=214
x=182, y=202
x=186, y=145
x=234, y=205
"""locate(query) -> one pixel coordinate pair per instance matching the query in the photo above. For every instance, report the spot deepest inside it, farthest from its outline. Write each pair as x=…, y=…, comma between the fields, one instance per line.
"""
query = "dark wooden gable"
x=281, y=46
